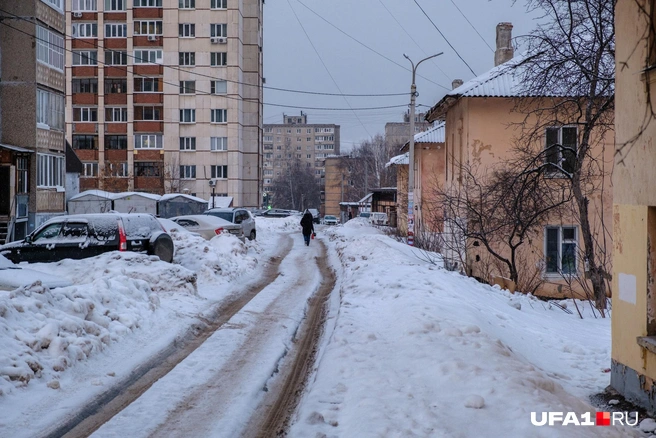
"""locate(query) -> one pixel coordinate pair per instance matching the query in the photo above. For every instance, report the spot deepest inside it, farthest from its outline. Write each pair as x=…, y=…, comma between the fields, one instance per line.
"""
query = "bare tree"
x=570, y=70
x=296, y=187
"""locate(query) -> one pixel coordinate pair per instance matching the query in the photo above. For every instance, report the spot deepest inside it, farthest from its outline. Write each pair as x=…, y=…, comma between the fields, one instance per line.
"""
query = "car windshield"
x=140, y=227
x=225, y=215
x=364, y=214
x=330, y=217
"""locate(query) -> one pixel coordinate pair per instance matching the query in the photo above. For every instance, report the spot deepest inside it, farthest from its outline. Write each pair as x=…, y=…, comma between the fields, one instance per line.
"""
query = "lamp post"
x=213, y=185
x=411, y=151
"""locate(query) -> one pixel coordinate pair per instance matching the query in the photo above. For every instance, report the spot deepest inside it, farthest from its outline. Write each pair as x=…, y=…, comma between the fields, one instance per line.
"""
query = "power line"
x=287, y=90
x=445, y=38
x=470, y=23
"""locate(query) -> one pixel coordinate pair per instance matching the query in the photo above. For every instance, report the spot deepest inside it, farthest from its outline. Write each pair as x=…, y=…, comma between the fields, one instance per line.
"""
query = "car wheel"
x=252, y=235
x=162, y=247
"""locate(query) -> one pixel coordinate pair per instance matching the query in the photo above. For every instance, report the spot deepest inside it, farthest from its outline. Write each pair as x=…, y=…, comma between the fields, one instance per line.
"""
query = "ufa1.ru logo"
x=585, y=419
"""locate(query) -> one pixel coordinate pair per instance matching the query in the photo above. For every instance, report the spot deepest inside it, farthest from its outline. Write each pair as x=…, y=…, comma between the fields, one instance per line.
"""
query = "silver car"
x=330, y=220
x=209, y=226
x=239, y=216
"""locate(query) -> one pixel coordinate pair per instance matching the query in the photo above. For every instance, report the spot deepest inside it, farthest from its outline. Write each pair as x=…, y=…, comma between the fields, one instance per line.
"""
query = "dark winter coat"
x=307, y=224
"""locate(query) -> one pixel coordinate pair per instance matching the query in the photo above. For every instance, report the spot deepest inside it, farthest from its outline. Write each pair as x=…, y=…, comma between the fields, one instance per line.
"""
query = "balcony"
x=116, y=99
x=148, y=70
x=148, y=126
x=115, y=16
x=50, y=200
x=85, y=128
x=116, y=155
x=148, y=41
x=85, y=43
x=85, y=71
x=116, y=43
x=147, y=12
x=116, y=128
x=85, y=99
x=116, y=71
x=148, y=98
x=87, y=154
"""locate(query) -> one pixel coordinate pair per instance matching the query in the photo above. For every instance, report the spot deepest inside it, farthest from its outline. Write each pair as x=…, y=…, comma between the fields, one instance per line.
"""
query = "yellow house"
x=482, y=126
x=633, y=368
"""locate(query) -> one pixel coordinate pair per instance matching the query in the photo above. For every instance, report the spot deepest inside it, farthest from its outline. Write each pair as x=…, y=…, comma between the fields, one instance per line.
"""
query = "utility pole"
x=411, y=151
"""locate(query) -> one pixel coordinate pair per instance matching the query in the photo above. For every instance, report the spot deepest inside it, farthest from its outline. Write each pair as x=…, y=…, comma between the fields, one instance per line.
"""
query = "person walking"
x=308, y=226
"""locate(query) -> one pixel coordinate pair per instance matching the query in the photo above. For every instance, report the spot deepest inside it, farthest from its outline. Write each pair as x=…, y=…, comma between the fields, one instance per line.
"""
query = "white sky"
x=388, y=27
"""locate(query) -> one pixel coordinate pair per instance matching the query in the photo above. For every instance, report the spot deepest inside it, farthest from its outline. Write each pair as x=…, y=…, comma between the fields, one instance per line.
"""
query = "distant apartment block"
x=165, y=96
x=32, y=96
x=295, y=139
x=398, y=133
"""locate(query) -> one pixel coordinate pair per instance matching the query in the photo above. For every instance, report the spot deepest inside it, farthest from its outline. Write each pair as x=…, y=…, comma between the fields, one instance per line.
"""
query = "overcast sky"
x=327, y=54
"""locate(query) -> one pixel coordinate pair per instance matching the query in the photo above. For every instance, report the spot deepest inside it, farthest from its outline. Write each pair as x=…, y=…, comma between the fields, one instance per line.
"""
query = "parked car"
x=365, y=214
x=378, y=218
x=170, y=226
x=316, y=216
x=209, y=226
x=330, y=220
x=239, y=216
x=79, y=236
x=276, y=212
x=14, y=276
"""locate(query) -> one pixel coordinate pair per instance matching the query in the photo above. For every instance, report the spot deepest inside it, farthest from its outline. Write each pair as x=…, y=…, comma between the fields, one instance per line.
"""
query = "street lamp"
x=411, y=151
x=213, y=185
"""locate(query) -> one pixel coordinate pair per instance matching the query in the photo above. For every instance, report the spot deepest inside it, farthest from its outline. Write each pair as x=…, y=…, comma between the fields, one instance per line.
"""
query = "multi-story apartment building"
x=398, y=133
x=166, y=95
x=295, y=139
x=32, y=142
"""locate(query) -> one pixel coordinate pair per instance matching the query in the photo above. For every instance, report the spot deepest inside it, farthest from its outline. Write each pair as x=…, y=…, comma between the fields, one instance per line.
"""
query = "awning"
x=15, y=148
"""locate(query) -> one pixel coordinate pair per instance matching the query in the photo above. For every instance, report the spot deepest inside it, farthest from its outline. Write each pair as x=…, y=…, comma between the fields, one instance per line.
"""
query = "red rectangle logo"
x=603, y=418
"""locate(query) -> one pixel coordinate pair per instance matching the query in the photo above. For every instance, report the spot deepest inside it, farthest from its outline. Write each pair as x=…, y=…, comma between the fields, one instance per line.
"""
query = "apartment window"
x=148, y=168
x=147, y=56
x=50, y=170
x=561, y=149
x=298, y=131
x=148, y=113
x=50, y=48
x=84, y=6
x=219, y=30
x=308, y=131
x=22, y=167
x=219, y=4
x=116, y=114
x=85, y=114
x=268, y=130
x=57, y=4
x=85, y=85
x=115, y=57
x=219, y=116
x=309, y=156
x=187, y=58
x=117, y=170
x=148, y=85
x=219, y=87
x=187, y=143
x=148, y=141
x=308, y=139
x=187, y=4
x=84, y=30
x=147, y=3
x=116, y=86
x=560, y=250
x=187, y=87
x=188, y=172
x=268, y=156
x=268, y=172
x=218, y=144
x=187, y=116
x=85, y=142
x=219, y=171
x=85, y=57
x=116, y=30
x=49, y=110
x=90, y=170
x=116, y=142
x=268, y=138
x=218, y=59
x=115, y=5
x=186, y=30
x=148, y=27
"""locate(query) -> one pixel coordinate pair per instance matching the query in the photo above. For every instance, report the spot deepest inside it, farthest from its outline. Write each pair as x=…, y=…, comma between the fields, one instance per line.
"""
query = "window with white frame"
x=219, y=171
x=117, y=170
x=561, y=149
x=50, y=170
x=90, y=170
x=85, y=142
x=148, y=141
x=147, y=3
x=187, y=58
x=218, y=144
x=148, y=85
x=187, y=87
x=50, y=48
x=84, y=6
x=560, y=250
x=186, y=30
x=85, y=114
x=187, y=143
x=148, y=56
x=187, y=115
x=267, y=130
x=148, y=168
x=219, y=30
x=84, y=30
x=219, y=116
x=267, y=181
x=218, y=4
x=148, y=27
x=116, y=30
x=85, y=57
x=116, y=57
x=268, y=172
x=146, y=113
x=115, y=5
x=57, y=4
x=219, y=87
x=188, y=172
x=187, y=4
x=268, y=138
x=218, y=59
x=309, y=131
x=118, y=114
x=50, y=110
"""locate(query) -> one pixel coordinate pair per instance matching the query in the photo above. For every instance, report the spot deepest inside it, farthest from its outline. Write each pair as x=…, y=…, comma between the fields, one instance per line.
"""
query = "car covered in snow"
x=79, y=236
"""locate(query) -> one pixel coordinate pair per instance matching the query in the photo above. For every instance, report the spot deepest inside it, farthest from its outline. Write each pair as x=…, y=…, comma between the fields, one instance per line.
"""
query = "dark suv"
x=80, y=236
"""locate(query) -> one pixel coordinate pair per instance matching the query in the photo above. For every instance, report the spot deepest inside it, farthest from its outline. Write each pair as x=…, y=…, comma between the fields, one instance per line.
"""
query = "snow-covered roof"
x=399, y=159
x=221, y=201
x=97, y=193
x=434, y=135
x=170, y=196
x=122, y=195
x=503, y=80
